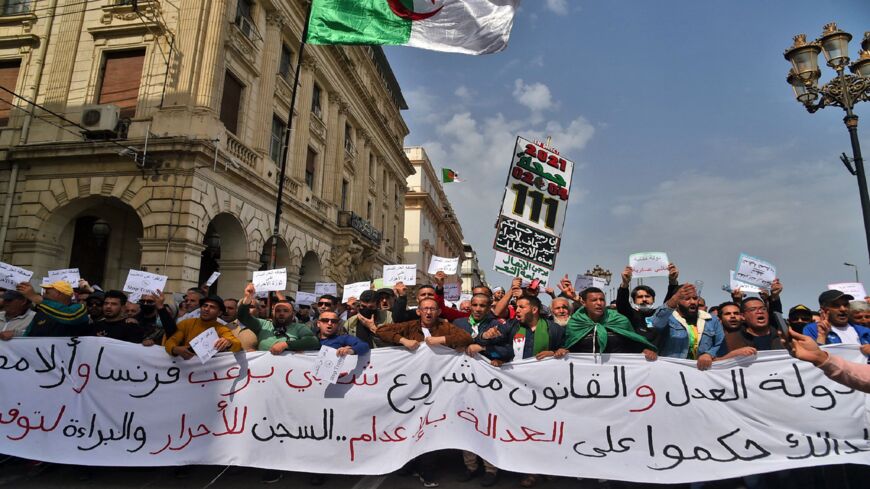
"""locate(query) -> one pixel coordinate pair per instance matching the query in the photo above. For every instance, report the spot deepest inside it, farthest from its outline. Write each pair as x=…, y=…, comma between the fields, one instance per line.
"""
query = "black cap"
x=386, y=291
x=216, y=299
x=830, y=296
x=368, y=296
x=800, y=308
x=11, y=295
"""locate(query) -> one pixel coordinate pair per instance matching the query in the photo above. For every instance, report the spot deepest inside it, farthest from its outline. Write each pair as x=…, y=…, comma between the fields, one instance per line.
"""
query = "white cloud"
x=536, y=96
x=558, y=6
x=464, y=93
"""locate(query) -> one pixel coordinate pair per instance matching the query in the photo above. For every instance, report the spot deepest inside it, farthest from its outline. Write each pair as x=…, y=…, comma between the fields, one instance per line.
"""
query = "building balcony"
x=244, y=154
x=348, y=219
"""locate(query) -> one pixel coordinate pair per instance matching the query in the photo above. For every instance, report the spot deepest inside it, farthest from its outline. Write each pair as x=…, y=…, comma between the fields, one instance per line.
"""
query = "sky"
x=685, y=135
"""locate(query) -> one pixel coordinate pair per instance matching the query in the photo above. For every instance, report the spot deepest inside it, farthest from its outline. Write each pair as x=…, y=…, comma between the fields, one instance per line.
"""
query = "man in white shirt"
x=16, y=316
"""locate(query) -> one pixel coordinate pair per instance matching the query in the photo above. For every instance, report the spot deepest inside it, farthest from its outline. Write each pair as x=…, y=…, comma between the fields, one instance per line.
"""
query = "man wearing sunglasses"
x=280, y=333
x=325, y=303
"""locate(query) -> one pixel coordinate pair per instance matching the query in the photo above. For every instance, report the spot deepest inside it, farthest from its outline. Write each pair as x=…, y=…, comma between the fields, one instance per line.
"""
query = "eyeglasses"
x=329, y=320
x=324, y=304
x=428, y=309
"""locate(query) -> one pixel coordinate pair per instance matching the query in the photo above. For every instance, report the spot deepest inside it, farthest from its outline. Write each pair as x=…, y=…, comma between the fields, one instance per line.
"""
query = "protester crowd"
x=498, y=325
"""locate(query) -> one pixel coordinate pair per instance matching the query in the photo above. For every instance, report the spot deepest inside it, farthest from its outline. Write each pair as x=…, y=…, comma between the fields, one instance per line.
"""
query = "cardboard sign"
x=855, y=289
x=648, y=264
x=11, y=276
x=517, y=267
x=330, y=366
x=354, y=290
x=441, y=264
x=755, y=271
x=203, y=345
x=393, y=274
x=140, y=282
x=325, y=288
x=69, y=275
x=212, y=279
x=270, y=280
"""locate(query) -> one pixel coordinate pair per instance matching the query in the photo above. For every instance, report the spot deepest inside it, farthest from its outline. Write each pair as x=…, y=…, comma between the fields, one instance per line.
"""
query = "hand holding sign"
x=205, y=345
x=649, y=264
x=325, y=288
x=441, y=264
x=270, y=280
x=755, y=271
x=406, y=274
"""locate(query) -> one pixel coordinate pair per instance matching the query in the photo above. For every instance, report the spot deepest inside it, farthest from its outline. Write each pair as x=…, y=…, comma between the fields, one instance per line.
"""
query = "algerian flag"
x=458, y=26
x=449, y=176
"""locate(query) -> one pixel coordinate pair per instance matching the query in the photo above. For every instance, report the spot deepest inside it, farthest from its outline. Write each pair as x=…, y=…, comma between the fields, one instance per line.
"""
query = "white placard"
x=517, y=267
x=203, y=344
x=583, y=282
x=441, y=264
x=666, y=420
x=755, y=271
x=330, y=366
x=743, y=286
x=452, y=291
x=270, y=280
x=11, y=276
x=305, y=298
x=325, y=288
x=212, y=279
x=354, y=290
x=393, y=274
x=69, y=275
x=648, y=264
x=855, y=289
x=140, y=282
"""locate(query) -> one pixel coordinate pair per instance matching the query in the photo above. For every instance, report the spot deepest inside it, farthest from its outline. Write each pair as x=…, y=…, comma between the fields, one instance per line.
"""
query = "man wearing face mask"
x=155, y=318
x=368, y=318
x=639, y=310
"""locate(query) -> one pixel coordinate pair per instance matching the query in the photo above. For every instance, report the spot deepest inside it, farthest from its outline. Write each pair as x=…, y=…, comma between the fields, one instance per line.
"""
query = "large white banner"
x=98, y=401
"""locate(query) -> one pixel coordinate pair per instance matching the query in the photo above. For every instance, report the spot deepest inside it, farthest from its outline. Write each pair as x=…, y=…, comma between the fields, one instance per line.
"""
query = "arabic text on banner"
x=668, y=421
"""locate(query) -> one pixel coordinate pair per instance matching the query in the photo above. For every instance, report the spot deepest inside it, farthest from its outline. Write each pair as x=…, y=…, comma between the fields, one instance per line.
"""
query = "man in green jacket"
x=279, y=334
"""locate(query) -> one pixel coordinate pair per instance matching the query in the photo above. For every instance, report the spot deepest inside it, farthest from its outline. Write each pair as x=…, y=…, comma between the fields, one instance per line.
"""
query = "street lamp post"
x=857, y=280
x=843, y=91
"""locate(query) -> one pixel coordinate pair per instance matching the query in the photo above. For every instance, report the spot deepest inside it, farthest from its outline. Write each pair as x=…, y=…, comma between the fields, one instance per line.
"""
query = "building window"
x=286, y=59
x=369, y=211
x=15, y=7
x=244, y=17
x=315, y=101
x=276, y=147
x=8, y=80
x=385, y=182
x=230, y=102
x=348, y=138
x=310, y=164
x=345, y=185
x=119, y=81
x=372, y=163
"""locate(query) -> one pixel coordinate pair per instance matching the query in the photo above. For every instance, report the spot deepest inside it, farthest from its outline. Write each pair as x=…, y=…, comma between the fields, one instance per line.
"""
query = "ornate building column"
x=302, y=123
x=182, y=77
x=268, y=70
x=62, y=57
x=212, y=54
x=333, y=156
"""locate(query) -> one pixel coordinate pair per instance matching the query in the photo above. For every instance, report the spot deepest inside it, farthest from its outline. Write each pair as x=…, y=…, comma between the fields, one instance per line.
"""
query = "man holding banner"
x=56, y=314
x=687, y=332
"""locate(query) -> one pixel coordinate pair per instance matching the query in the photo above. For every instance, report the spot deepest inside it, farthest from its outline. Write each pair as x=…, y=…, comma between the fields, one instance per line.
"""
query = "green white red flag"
x=449, y=176
x=458, y=26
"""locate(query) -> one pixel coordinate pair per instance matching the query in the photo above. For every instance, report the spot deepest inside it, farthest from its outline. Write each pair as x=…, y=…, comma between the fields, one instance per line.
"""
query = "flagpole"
x=276, y=230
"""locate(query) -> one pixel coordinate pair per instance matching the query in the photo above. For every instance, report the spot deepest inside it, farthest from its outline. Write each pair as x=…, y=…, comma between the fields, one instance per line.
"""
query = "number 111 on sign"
x=538, y=201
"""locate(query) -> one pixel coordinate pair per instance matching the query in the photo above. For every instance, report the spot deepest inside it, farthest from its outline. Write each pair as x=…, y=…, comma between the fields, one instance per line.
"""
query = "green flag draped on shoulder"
x=458, y=26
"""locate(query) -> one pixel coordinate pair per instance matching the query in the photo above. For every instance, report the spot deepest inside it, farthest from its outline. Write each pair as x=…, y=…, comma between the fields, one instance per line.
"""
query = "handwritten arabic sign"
x=668, y=421
x=743, y=286
x=452, y=292
x=521, y=241
x=755, y=271
x=329, y=366
x=140, y=282
x=406, y=273
x=270, y=280
x=441, y=264
x=648, y=264
x=11, y=276
x=354, y=290
x=855, y=289
x=69, y=275
x=305, y=298
x=517, y=267
x=203, y=344
x=325, y=288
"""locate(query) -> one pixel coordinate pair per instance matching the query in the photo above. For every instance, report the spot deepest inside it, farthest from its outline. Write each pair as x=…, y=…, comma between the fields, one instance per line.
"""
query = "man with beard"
x=687, y=332
x=639, y=310
x=210, y=309
x=247, y=337
x=561, y=309
x=115, y=324
x=280, y=333
x=595, y=328
x=833, y=326
x=432, y=330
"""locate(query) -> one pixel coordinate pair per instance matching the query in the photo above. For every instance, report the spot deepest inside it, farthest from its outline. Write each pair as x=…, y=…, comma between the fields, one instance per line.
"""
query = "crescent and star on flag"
x=408, y=13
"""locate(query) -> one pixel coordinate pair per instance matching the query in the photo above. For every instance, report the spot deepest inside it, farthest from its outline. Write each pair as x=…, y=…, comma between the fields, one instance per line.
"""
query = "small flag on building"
x=457, y=26
x=449, y=176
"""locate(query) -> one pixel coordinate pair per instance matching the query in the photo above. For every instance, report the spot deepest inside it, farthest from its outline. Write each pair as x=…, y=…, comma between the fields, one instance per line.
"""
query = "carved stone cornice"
x=276, y=19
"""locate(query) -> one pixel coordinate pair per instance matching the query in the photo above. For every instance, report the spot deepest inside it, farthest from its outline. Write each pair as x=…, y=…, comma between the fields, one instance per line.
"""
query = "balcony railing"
x=348, y=219
x=15, y=7
x=240, y=151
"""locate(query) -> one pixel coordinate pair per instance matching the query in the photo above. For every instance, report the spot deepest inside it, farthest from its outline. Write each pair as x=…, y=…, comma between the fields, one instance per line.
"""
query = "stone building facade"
x=431, y=226
x=186, y=182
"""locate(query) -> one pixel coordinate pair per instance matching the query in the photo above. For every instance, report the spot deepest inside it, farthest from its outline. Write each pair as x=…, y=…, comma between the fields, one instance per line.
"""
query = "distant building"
x=208, y=86
x=472, y=274
x=431, y=226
